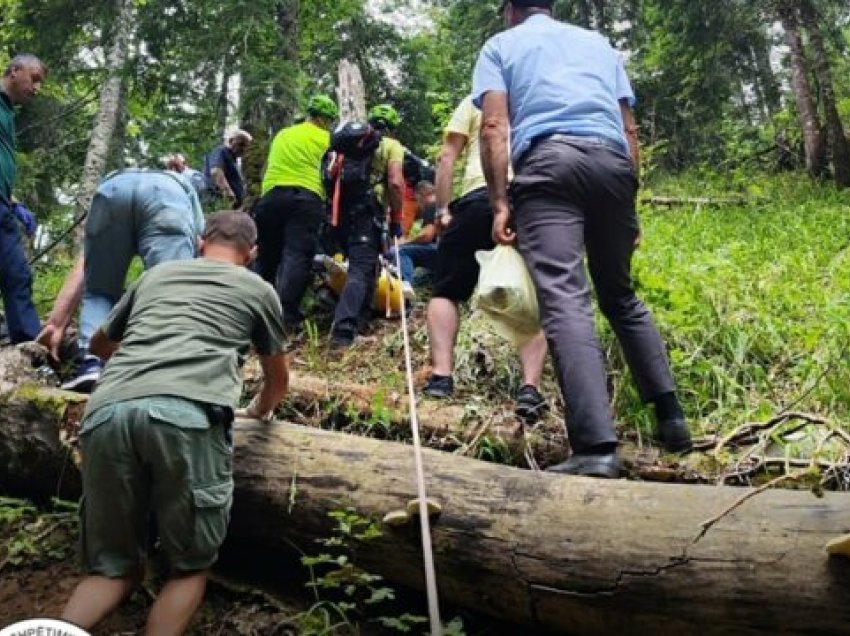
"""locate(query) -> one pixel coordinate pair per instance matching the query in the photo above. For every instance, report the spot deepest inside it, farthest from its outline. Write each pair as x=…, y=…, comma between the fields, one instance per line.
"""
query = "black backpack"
x=347, y=167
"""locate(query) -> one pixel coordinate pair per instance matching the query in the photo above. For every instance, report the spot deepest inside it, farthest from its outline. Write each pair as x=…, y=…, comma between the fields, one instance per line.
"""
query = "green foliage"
x=345, y=594
x=751, y=300
x=31, y=536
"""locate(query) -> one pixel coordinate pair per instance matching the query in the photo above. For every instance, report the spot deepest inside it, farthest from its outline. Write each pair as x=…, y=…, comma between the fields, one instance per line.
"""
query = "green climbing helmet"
x=384, y=115
x=322, y=106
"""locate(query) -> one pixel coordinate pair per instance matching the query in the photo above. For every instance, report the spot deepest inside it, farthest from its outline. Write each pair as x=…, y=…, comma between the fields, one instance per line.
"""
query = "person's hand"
x=444, y=217
x=26, y=217
x=251, y=412
x=395, y=229
x=502, y=232
x=51, y=337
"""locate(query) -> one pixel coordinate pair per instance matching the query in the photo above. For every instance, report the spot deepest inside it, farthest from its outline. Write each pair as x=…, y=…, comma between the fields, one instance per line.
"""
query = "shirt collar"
x=6, y=99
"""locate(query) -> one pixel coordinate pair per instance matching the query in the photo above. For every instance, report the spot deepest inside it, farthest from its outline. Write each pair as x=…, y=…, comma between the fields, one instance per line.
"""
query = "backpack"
x=347, y=167
x=416, y=169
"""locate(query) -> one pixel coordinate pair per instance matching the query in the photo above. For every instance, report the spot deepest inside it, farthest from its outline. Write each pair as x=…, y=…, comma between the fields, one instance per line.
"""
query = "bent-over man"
x=156, y=434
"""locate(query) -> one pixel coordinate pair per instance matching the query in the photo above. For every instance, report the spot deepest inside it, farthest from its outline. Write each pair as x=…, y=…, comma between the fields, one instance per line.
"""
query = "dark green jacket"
x=7, y=148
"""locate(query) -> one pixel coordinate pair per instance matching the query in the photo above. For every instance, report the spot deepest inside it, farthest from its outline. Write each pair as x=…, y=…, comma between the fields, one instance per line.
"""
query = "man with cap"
x=562, y=94
x=20, y=82
x=290, y=213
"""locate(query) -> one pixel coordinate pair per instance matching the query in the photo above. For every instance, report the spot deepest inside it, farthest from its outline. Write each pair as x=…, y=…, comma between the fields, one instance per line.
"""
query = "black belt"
x=582, y=140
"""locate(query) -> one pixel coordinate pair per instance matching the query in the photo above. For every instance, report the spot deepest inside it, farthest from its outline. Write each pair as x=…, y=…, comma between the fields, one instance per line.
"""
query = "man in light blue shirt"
x=563, y=94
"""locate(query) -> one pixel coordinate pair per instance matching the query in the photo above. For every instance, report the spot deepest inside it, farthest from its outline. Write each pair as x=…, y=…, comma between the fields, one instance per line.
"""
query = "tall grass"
x=752, y=301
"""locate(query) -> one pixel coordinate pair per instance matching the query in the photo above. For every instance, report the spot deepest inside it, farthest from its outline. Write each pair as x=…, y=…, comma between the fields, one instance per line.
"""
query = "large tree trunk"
x=838, y=145
x=351, y=93
x=806, y=112
x=562, y=554
x=765, y=78
x=286, y=17
x=110, y=101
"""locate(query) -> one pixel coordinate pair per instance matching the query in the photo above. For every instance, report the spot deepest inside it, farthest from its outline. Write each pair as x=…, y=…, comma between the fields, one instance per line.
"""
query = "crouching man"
x=156, y=435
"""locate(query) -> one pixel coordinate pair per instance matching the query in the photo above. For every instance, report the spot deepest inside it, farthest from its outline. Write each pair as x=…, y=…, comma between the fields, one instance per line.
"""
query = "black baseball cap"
x=526, y=3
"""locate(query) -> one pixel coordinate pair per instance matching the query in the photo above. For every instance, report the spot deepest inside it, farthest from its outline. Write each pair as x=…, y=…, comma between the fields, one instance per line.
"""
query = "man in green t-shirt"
x=155, y=438
x=361, y=226
x=20, y=81
x=290, y=212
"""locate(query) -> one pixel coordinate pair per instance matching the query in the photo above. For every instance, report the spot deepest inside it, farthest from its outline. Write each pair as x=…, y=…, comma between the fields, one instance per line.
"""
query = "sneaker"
x=85, y=376
x=439, y=386
x=530, y=405
x=605, y=465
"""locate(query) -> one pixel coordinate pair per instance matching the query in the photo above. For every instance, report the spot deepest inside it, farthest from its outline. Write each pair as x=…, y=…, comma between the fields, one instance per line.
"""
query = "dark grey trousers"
x=571, y=197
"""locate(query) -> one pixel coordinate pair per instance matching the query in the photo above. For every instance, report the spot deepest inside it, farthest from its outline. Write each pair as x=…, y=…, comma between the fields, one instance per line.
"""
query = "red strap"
x=335, y=200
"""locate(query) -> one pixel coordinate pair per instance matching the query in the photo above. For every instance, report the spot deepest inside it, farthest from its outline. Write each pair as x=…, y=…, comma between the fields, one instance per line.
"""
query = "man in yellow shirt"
x=290, y=212
x=360, y=225
x=467, y=224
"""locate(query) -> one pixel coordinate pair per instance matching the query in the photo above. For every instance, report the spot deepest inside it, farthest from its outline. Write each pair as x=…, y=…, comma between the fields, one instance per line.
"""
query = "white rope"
x=425, y=524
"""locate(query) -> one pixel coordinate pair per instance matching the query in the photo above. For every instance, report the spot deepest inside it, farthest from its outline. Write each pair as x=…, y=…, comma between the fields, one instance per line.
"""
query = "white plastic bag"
x=506, y=295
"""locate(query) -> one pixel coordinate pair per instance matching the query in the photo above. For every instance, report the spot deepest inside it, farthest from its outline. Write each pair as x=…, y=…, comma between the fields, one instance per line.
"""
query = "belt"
x=581, y=140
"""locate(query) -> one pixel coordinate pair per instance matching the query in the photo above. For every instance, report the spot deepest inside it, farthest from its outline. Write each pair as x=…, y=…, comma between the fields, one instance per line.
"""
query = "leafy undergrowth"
x=752, y=301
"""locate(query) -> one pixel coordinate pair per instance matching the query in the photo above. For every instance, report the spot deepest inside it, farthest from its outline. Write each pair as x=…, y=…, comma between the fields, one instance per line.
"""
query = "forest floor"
x=751, y=300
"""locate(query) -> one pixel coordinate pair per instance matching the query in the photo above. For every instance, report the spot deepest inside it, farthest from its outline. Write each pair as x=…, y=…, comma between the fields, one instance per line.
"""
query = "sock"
x=667, y=407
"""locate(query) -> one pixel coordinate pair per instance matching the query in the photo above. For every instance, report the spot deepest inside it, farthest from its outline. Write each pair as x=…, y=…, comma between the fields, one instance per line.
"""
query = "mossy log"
x=551, y=553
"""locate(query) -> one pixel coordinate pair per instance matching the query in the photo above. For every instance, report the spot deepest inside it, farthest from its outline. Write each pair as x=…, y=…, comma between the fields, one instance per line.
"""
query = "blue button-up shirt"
x=559, y=78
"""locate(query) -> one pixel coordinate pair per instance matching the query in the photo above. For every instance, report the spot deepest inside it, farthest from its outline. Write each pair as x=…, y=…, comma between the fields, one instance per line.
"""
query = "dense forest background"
x=731, y=84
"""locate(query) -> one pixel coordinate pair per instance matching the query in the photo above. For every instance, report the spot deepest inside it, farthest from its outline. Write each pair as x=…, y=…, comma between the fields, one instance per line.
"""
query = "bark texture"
x=813, y=139
x=110, y=103
x=838, y=145
x=350, y=93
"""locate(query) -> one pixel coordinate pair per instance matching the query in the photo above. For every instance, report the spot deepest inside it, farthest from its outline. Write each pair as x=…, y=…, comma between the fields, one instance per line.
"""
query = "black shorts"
x=471, y=229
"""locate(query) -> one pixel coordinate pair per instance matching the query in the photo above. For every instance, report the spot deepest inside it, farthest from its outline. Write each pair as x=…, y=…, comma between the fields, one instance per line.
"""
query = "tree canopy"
x=735, y=83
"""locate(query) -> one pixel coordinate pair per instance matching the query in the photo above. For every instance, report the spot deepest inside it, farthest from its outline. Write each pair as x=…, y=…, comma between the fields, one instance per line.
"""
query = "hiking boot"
x=530, y=405
x=605, y=465
x=674, y=435
x=439, y=386
x=86, y=375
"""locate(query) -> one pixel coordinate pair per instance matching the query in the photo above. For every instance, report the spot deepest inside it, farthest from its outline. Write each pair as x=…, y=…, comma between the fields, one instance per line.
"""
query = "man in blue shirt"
x=563, y=94
x=20, y=82
x=221, y=169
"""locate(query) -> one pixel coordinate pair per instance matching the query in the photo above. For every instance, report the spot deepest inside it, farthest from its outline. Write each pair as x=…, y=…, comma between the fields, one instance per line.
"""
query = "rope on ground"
x=425, y=524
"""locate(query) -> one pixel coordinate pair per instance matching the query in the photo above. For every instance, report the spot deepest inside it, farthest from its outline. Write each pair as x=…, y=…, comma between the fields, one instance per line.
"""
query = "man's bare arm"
x=395, y=189
x=275, y=384
x=102, y=346
x=221, y=182
x=64, y=308
x=495, y=128
x=630, y=128
x=453, y=146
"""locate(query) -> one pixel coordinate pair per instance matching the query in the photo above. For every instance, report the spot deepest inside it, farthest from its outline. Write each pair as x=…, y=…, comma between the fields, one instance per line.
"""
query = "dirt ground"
x=41, y=591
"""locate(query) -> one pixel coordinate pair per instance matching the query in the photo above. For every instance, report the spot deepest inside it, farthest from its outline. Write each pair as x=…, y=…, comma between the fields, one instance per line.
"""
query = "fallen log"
x=552, y=553
x=702, y=201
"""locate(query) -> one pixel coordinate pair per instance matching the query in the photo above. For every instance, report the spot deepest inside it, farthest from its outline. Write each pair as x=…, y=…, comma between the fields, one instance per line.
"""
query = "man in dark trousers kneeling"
x=156, y=435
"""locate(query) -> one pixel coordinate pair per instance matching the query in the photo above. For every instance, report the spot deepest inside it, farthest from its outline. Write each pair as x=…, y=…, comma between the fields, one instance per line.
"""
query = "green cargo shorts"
x=157, y=456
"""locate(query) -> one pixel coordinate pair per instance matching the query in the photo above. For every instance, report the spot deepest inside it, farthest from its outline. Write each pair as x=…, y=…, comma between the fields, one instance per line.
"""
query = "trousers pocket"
x=212, y=514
